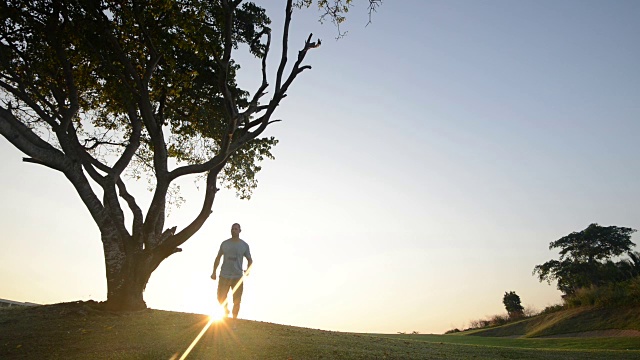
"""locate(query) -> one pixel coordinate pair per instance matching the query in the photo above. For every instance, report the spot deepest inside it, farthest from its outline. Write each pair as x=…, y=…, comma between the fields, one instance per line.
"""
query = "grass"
x=78, y=331
x=611, y=343
x=572, y=320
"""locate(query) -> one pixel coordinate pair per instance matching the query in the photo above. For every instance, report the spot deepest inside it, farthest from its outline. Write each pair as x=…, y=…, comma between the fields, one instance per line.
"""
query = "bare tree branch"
x=205, y=211
x=21, y=94
x=97, y=142
x=253, y=105
x=134, y=143
x=285, y=45
x=138, y=216
x=218, y=160
x=29, y=143
x=53, y=29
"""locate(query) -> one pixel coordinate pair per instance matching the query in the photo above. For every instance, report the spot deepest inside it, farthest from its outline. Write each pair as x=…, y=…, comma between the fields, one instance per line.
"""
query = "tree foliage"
x=586, y=258
x=511, y=302
x=336, y=10
x=114, y=77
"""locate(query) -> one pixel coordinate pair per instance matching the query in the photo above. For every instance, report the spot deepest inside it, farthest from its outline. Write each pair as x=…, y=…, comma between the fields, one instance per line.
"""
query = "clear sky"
x=425, y=164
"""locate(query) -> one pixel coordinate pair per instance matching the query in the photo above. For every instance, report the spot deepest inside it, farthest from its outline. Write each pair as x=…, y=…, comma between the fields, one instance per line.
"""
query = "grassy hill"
x=78, y=331
x=573, y=322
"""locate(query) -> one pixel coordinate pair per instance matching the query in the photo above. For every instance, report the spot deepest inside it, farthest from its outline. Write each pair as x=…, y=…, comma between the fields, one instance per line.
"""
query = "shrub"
x=530, y=312
x=625, y=293
x=496, y=320
x=552, y=308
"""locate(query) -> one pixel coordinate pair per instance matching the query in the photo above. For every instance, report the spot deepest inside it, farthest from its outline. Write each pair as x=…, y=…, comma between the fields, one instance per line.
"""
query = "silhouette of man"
x=234, y=251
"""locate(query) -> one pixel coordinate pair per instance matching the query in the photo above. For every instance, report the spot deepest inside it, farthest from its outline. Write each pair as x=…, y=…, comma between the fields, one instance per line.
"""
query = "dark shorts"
x=224, y=285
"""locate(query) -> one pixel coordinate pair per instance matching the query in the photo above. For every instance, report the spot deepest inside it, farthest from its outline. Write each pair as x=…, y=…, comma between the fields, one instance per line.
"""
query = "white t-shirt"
x=234, y=253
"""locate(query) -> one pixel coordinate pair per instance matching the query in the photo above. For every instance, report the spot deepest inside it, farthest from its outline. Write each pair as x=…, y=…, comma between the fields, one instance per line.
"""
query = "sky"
x=425, y=163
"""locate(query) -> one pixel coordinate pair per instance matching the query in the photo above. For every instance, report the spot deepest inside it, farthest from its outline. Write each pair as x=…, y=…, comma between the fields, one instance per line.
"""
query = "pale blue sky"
x=425, y=163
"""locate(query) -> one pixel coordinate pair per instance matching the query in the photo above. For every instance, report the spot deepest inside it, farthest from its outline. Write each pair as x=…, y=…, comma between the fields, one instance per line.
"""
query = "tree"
x=511, y=302
x=585, y=257
x=629, y=268
x=108, y=91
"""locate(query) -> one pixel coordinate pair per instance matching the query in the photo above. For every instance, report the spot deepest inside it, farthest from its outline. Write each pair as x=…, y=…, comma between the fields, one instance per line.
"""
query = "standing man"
x=231, y=273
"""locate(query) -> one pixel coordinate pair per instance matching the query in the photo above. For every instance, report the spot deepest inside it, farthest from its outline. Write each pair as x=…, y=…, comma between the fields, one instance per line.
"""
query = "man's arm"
x=249, y=262
x=216, y=263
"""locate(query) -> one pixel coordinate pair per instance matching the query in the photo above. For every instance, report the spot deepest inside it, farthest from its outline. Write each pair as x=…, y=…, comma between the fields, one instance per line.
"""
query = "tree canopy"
x=114, y=77
x=586, y=258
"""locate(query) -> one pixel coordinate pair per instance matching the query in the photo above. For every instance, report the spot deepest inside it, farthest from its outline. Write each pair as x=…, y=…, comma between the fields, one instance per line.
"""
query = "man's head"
x=235, y=230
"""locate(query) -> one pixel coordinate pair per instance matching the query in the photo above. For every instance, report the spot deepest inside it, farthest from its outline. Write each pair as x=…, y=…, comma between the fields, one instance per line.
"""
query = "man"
x=231, y=273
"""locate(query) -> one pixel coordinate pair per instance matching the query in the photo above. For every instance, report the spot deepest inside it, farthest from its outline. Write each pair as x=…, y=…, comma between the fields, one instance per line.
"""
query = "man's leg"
x=237, y=297
x=223, y=290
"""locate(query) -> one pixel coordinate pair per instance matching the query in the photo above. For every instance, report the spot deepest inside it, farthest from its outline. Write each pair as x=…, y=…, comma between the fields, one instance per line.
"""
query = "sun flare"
x=217, y=314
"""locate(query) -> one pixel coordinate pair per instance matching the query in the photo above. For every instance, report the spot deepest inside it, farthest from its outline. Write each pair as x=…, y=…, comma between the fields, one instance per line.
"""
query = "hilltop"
x=80, y=331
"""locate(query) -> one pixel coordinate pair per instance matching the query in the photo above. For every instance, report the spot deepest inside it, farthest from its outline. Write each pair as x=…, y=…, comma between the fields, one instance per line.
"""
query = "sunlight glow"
x=212, y=317
x=217, y=314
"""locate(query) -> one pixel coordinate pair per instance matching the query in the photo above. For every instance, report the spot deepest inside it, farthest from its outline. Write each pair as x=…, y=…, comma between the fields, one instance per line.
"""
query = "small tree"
x=585, y=257
x=511, y=302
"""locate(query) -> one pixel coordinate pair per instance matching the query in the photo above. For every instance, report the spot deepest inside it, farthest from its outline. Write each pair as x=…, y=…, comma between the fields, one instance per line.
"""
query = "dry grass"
x=574, y=320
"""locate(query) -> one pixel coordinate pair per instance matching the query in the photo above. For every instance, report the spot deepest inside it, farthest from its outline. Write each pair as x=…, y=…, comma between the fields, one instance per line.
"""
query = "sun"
x=217, y=314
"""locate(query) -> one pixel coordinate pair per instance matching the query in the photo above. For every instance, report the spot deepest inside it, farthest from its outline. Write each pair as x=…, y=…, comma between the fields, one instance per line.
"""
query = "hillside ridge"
x=576, y=322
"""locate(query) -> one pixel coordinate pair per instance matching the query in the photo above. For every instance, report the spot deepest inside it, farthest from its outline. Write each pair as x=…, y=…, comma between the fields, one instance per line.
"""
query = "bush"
x=478, y=324
x=530, y=312
x=626, y=293
x=582, y=297
x=496, y=320
x=552, y=308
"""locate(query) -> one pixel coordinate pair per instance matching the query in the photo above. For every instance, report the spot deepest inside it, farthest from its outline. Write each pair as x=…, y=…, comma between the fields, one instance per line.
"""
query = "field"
x=78, y=331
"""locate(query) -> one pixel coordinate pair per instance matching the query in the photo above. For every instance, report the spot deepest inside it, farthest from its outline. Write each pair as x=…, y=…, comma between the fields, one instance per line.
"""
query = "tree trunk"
x=128, y=272
x=127, y=295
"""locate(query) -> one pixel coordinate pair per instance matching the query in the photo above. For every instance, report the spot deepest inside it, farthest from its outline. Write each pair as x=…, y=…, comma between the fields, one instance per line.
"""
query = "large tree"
x=586, y=257
x=108, y=91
